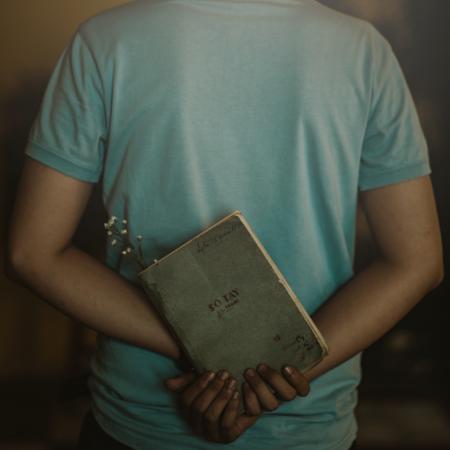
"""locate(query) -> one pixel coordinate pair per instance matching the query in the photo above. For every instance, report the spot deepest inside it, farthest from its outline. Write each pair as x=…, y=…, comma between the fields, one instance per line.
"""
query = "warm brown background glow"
x=33, y=34
x=406, y=375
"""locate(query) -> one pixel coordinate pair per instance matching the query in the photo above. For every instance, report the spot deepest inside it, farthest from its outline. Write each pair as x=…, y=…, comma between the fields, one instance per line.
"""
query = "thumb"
x=180, y=381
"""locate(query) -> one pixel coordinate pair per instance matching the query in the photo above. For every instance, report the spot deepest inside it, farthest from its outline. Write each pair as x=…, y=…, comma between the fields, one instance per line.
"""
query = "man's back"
x=192, y=109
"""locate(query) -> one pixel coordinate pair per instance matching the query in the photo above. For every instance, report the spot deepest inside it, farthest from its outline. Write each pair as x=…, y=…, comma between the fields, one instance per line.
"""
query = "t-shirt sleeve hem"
x=63, y=165
x=395, y=176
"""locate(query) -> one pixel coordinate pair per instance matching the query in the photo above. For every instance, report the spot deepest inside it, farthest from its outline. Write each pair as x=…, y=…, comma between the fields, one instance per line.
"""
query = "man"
x=185, y=111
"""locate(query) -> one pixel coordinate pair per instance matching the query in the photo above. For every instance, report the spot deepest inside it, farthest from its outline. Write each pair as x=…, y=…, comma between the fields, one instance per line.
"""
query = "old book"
x=229, y=306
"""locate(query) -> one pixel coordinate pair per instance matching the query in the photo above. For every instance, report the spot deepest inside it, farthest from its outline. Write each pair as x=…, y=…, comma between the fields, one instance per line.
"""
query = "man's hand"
x=210, y=403
x=270, y=387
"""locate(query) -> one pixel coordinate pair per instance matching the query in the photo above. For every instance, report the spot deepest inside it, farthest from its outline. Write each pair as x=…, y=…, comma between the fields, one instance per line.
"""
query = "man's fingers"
x=194, y=389
x=230, y=414
x=178, y=383
x=251, y=400
x=297, y=380
x=210, y=404
x=285, y=386
x=265, y=397
x=241, y=424
x=232, y=425
x=211, y=418
x=279, y=384
x=202, y=401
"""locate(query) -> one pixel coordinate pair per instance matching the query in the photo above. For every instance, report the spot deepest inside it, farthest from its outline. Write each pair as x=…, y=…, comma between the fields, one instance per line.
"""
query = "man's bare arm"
x=405, y=225
x=404, y=222
x=48, y=208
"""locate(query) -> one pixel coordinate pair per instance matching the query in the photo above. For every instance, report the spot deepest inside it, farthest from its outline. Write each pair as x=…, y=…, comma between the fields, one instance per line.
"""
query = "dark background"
x=404, y=396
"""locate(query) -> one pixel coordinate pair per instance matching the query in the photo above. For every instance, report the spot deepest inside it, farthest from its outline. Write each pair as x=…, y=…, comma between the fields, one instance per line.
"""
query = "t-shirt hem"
x=61, y=164
x=395, y=176
x=348, y=440
x=110, y=427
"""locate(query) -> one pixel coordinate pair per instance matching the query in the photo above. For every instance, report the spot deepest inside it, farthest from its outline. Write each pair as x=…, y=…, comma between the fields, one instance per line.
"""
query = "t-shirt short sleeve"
x=394, y=146
x=69, y=132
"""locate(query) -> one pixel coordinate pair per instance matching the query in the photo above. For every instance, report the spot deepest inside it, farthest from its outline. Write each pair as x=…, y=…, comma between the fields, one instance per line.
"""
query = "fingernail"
x=224, y=375
x=262, y=368
x=231, y=384
x=207, y=379
x=289, y=370
x=250, y=372
x=235, y=395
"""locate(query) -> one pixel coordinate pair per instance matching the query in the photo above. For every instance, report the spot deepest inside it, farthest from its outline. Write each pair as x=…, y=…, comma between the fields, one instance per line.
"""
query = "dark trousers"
x=92, y=437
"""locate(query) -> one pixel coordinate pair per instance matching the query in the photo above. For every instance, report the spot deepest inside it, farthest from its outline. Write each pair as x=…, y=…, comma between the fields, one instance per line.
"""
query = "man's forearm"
x=368, y=306
x=87, y=290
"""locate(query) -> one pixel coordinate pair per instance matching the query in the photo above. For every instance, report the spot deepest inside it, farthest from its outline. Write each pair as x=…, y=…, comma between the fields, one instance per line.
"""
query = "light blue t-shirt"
x=186, y=110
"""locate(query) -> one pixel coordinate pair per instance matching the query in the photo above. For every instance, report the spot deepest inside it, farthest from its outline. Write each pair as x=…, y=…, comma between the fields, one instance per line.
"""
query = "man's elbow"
x=426, y=269
x=13, y=265
x=433, y=270
x=18, y=262
x=438, y=274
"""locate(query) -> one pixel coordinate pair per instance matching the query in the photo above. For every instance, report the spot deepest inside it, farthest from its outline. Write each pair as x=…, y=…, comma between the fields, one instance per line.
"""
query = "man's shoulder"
x=340, y=24
x=114, y=24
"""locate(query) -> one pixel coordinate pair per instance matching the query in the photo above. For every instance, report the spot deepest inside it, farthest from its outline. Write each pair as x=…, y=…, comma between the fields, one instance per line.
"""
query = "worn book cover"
x=229, y=306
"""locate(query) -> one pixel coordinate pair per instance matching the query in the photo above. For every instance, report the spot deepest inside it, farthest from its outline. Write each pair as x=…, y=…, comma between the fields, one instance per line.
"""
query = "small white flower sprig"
x=121, y=237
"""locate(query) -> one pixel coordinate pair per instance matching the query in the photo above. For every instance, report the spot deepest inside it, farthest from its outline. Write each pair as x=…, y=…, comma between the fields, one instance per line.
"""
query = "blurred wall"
x=33, y=33
x=39, y=347
x=34, y=338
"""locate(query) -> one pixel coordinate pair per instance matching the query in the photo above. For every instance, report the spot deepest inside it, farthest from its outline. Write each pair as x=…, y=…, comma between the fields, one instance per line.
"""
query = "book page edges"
x=234, y=213
x=291, y=293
